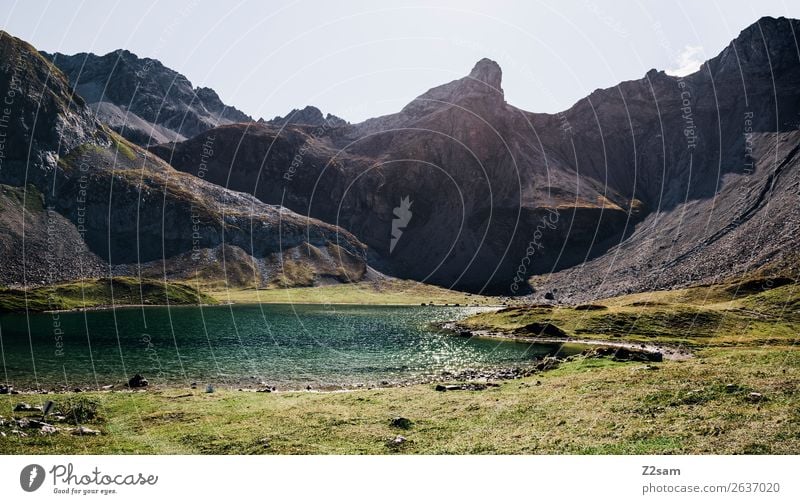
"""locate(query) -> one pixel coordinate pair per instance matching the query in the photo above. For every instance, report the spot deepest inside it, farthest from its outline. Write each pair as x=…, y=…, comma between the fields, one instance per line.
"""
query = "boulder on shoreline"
x=624, y=354
x=464, y=386
x=138, y=381
x=547, y=363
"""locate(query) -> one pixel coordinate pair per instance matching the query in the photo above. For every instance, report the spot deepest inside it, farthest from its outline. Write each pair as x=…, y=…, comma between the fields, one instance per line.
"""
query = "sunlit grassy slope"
x=384, y=292
x=100, y=292
x=750, y=313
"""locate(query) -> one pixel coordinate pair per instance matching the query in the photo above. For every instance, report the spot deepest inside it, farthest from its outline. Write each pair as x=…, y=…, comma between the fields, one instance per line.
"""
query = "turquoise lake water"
x=289, y=346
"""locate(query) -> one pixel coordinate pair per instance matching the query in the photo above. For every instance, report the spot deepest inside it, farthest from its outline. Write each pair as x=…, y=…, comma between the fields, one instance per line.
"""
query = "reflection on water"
x=283, y=345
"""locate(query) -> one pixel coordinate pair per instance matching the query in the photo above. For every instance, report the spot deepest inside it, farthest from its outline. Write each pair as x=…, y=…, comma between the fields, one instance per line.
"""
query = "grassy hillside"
x=383, y=292
x=91, y=293
x=756, y=312
x=100, y=292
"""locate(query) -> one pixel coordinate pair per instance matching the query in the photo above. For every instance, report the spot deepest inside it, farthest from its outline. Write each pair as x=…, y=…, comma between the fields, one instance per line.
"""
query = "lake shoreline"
x=585, y=405
x=467, y=375
x=254, y=303
x=668, y=352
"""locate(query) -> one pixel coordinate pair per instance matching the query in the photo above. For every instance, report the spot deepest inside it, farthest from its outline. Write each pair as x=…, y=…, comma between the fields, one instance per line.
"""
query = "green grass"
x=123, y=147
x=721, y=315
x=90, y=293
x=100, y=292
x=385, y=292
x=678, y=407
x=30, y=198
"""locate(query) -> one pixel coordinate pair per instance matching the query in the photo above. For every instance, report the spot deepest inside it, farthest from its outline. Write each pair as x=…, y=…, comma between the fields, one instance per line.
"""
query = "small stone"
x=209, y=389
x=85, y=431
x=26, y=407
x=397, y=441
x=19, y=433
x=755, y=397
x=401, y=422
x=36, y=424
x=107, y=387
x=548, y=363
x=48, y=429
x=731, y=388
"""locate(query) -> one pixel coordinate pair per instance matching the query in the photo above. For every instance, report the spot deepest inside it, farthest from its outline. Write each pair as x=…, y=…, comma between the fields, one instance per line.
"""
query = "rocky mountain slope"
x=463, y=157
x=644, y=185
x=712, y=156
x=143, y=100
x=78, y=200
x=309, y=116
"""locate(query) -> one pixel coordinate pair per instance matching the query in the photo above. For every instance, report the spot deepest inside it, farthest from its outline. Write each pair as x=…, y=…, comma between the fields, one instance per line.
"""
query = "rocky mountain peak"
x=142, y=99
x=767, y=25
x=308, y=116
x=488, y=72
x=768, y=45
x=481, y=89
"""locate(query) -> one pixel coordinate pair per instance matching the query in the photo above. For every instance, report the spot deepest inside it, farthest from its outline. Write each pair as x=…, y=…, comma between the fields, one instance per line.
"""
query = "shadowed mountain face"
x=668, y=168
x=143, y=100
x=78, y=200
x=461, y=155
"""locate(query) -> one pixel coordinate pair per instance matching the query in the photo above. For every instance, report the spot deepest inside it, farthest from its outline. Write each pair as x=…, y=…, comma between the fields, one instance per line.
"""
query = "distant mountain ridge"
x=309, y=116
x=143, y=100
x=654, y=180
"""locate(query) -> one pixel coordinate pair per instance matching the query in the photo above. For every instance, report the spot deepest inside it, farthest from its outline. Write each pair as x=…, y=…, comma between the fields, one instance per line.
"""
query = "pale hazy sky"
x=360, y=59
